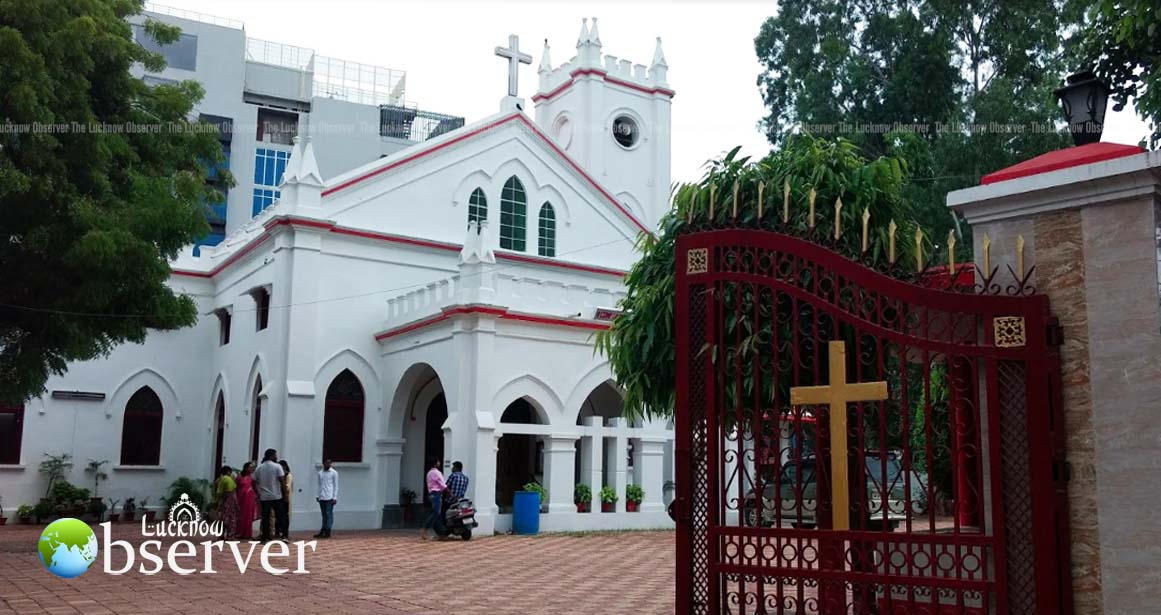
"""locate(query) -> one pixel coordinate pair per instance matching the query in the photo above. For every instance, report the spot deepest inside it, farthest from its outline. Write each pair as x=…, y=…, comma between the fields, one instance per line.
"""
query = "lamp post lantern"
x=1084, y=99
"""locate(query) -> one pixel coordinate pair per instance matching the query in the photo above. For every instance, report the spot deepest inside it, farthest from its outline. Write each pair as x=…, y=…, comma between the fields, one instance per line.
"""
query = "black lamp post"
x=1084, y=99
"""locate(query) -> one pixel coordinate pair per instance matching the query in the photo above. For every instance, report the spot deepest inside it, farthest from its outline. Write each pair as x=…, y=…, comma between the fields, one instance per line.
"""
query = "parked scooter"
x=459, y=518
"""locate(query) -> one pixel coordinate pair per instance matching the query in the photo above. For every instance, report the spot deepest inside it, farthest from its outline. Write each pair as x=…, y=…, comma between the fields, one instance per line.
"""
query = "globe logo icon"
x=67, y=547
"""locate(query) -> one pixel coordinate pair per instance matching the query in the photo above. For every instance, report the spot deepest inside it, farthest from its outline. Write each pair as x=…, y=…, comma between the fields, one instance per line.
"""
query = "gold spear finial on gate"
x=813, y=194
x=713, y=189
x=838, y=220
x=1020, y=255
x=891, y=242
x=866, y=224
x=919, y=250
x=951, y=252
x=987, y=245
x=761, y=198
x=734, y=214
x=786, y=201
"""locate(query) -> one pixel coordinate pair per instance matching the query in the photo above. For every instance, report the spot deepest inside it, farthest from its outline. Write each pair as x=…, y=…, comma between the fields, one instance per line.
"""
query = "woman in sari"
x=247, y=502
x=226, y=501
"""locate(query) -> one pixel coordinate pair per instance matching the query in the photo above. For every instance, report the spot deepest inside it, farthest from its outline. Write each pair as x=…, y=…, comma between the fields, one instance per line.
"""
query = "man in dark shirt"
x=457, y=482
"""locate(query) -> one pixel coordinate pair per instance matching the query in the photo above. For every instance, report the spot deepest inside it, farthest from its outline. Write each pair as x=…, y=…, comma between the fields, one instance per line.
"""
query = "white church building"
x=440, y=301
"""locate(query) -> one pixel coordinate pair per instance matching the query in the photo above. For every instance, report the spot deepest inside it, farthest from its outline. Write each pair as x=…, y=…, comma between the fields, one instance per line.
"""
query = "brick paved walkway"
x=391, y=573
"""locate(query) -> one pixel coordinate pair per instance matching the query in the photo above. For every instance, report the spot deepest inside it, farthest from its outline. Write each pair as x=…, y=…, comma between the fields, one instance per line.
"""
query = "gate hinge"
x=1054, y=335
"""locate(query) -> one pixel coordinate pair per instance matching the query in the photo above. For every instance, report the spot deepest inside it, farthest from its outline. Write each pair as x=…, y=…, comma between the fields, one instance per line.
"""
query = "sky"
x=447, y=50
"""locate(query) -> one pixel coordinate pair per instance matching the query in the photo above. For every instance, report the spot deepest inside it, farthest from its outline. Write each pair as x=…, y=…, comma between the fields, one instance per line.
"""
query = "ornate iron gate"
x=852, y=443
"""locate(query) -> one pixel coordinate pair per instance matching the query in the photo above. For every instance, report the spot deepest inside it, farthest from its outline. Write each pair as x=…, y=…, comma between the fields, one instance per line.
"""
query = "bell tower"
x=613, y=118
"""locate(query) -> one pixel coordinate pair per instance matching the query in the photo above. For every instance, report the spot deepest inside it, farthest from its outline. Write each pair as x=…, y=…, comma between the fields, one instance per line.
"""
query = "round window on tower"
x=562, y=128
x=626, y=131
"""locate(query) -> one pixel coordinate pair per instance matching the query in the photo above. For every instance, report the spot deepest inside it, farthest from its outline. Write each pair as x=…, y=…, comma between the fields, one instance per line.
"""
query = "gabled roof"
x=467, y=133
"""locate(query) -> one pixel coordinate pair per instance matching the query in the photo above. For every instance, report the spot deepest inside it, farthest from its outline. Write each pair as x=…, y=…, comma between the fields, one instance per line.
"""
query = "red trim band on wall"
x=614, y=80
x=401, y=239
x=503, y=313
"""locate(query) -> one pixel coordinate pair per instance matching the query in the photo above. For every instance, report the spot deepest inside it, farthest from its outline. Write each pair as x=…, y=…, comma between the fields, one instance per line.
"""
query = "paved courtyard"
x=371, y=572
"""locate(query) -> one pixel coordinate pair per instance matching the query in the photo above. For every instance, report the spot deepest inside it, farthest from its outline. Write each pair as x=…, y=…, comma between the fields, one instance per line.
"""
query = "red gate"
x=852, y=443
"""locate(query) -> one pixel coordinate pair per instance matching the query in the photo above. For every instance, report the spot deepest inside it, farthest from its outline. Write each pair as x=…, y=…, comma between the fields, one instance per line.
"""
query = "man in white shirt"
x=268, y=477
x=328, y=496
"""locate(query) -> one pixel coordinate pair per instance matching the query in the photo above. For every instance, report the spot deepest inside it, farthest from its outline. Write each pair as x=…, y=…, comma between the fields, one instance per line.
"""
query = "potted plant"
x=43, y=509
x=24, y=512
x=97, y=508
x=130, y=510
x=582, y=496
x=146, y=514
x=55, y=467
x=406, y=499
x=608, y=499
x=95, y=468
x=538, y=489
x=633, y=496
x=114, y=516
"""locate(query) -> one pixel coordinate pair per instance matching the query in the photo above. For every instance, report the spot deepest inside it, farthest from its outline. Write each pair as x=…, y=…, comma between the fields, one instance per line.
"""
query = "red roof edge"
x=1063, y=159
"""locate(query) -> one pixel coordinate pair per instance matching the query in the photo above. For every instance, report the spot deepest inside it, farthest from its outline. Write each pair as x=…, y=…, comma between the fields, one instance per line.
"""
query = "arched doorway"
x=219, y=432
x=520, y=458
x=433, y=429
x=604, y=402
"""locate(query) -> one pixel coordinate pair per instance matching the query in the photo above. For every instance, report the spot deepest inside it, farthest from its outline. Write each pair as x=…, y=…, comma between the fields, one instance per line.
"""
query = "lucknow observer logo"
x=67, y=547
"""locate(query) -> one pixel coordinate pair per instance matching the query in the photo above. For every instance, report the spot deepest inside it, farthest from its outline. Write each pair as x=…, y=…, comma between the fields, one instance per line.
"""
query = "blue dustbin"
x=526, y=513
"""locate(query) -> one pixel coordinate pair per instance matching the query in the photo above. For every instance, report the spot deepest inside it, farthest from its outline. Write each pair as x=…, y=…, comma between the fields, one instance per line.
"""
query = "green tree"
x=92, y=210
x=1123, y=41
x=906, y=77
x=641, y=343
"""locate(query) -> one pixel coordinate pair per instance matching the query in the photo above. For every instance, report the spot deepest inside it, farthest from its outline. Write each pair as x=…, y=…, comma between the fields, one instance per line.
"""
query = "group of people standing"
x=264, y=492
x=442, y=492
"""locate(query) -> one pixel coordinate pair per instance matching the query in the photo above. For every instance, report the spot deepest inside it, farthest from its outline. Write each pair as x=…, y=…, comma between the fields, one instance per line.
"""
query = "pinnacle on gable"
x=658, y=55
x=594, y=36
x=583, y=37
x=545, y=60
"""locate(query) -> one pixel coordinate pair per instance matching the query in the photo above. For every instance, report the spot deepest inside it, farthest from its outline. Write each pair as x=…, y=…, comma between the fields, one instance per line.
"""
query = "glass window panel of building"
x=546, y=244
x=513, y=216
x=477, y=206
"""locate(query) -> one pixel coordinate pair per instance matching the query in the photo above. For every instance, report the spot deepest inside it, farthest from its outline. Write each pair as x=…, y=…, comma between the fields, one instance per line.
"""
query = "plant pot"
x=608, y=507
x=129, y=517
x=115, y=518
x=582, y=507
x=150, y=515
x=3, y=520
x=631, y=506
x=27, y=519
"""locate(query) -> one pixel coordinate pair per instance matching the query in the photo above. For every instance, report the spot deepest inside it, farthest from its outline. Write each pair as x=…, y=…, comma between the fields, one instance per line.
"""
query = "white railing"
x=425, y=301
x=194, y=16
x=357, y=82
x=278, y=54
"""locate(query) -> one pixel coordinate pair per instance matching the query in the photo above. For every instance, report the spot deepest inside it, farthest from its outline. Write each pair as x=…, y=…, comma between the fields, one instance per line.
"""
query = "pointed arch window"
x=546, y=243
x=343, y=419
x=256, y=419
x=513, y=215
x=141, y=429
x=477, y=206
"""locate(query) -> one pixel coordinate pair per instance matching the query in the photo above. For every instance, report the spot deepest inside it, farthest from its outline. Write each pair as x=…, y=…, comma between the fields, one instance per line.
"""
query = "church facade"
x=440, y=302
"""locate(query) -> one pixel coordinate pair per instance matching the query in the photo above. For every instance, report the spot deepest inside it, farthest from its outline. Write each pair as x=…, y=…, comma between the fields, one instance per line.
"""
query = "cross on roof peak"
x=515, y=59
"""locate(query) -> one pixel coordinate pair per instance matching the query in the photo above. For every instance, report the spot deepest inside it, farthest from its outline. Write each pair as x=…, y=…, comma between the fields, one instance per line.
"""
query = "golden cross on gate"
x=837, y=395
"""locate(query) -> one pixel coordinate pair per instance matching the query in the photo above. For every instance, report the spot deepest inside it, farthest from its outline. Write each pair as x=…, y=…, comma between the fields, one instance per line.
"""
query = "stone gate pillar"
x=1090, y=222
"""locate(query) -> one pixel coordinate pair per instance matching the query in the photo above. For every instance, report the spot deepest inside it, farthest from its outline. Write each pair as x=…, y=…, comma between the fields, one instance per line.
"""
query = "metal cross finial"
x=515, y=59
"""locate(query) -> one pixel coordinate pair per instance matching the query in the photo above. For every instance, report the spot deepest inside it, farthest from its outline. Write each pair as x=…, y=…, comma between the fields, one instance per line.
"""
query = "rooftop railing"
x=194, y=16
x=413, y=124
